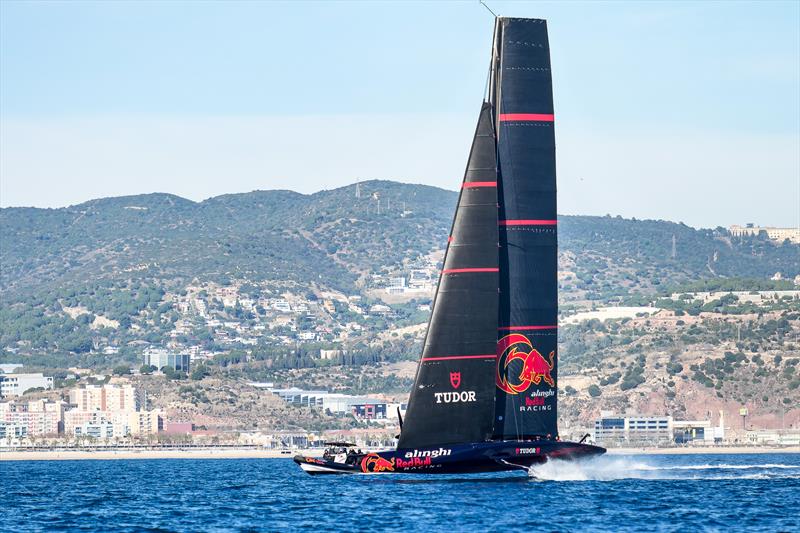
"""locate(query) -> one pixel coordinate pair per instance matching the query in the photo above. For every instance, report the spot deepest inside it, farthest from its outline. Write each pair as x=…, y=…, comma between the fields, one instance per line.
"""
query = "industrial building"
x=636, y=430
x=335, y=403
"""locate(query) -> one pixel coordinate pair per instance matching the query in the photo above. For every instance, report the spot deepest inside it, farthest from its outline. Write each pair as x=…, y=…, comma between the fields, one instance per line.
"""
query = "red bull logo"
x=535, y=368
x=374, y=463
x=414, y=462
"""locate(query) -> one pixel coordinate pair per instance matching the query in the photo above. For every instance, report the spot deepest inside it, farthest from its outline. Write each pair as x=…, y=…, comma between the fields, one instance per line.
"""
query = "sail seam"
x=475, y=184
x=468, y=270
x=535, y=117
x=527, y=222
x=454, y=357
x=525, y=328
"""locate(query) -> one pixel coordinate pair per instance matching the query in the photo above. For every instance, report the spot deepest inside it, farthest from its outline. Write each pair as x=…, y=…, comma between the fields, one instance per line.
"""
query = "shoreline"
x=193, y=453
x=711, y=450
x=250, y=453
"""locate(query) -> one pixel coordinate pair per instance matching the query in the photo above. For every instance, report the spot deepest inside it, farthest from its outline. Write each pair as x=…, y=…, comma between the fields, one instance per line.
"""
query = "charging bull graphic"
x=535, y=368
x=373, y=462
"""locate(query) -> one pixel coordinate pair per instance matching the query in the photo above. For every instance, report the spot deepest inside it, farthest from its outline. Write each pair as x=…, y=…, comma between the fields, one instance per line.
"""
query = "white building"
x=99, y=428
x=108, y=424
x=17, y=384
x=295, y=396
x=775, y=234
x=396, y=286
x=160, y=357
x=280, y=305
x=780, y=437
x=614, y=430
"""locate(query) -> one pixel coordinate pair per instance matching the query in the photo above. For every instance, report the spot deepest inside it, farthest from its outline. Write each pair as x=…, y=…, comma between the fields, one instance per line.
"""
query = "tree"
x=146, y=369
x=594, y=391
x=200, y=372
x=172, y=374
x=121, y=370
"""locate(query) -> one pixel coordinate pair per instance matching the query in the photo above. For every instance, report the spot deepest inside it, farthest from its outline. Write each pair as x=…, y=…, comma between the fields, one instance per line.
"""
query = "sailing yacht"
x=485, y=393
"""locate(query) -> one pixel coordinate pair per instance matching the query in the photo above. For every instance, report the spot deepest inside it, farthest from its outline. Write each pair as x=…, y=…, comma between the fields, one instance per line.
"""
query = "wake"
x=617, y=468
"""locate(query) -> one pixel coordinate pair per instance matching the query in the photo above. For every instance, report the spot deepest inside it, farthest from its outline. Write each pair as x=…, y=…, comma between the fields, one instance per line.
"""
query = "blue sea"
x=611, y=493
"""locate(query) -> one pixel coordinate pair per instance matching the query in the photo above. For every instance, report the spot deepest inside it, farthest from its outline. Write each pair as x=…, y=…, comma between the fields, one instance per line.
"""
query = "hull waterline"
x=455, y=459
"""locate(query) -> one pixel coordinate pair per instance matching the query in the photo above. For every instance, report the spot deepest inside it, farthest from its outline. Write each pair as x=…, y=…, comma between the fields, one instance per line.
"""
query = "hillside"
x=113, y=271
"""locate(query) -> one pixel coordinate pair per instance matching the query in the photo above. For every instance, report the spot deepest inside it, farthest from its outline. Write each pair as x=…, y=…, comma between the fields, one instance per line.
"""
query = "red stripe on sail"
x=525, y=328
x=455, y=357
x=475, y=184
x=468, y=270
x=527, y=222
x=532, y=117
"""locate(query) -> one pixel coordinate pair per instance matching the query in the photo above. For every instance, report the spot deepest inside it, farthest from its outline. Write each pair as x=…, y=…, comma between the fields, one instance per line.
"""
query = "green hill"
x=122, y=258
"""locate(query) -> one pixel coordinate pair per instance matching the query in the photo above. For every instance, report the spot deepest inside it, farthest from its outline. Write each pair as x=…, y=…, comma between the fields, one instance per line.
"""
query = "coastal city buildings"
x=104, y=398
x=96, y=411
x=110, y=411
x=31, y=419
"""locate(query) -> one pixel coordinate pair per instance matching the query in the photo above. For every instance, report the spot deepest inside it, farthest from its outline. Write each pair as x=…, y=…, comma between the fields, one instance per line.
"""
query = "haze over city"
x=686, y=112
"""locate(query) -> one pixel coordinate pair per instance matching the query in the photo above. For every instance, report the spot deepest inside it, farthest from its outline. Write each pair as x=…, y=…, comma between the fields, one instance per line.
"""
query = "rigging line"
x=488, y=87
x=489, y=8
x=488, y=80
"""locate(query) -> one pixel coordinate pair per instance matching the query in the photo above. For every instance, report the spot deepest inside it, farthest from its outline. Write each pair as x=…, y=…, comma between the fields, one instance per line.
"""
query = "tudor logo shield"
x=455, y=379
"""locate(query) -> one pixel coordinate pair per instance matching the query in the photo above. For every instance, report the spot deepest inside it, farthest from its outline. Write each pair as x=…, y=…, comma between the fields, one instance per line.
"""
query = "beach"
x=258, y=453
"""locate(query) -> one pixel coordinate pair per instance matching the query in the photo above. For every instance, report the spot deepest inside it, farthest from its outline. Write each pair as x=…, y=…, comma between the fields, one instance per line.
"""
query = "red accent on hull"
x=527, y=222
x=525, y=328
x=455, y=357
x=468, y=270
x=475, y=184
x=530, y=117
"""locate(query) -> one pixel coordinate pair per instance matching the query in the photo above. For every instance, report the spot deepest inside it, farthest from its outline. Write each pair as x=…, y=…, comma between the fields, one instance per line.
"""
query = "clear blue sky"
x=686, y=111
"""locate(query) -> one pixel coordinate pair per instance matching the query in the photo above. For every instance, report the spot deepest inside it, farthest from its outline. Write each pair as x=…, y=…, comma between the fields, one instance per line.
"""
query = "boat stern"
x=315, y=466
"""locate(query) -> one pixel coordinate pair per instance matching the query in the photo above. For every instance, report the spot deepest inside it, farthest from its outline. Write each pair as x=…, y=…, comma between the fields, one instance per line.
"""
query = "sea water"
x=610, y=493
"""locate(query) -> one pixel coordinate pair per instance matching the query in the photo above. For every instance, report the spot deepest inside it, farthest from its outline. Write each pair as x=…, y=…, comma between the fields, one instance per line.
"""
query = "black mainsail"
x=488, y=368
x=527, y=325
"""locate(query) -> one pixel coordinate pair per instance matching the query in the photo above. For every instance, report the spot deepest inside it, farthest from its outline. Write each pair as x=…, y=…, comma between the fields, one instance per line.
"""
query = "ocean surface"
x=611, y=493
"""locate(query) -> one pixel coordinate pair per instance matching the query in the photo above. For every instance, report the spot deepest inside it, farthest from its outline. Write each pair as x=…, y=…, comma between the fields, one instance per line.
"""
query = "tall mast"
x=492, y=92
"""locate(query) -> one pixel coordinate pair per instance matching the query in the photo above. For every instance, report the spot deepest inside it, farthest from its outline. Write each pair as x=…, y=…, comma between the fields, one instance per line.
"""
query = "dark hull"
x=455, y=459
